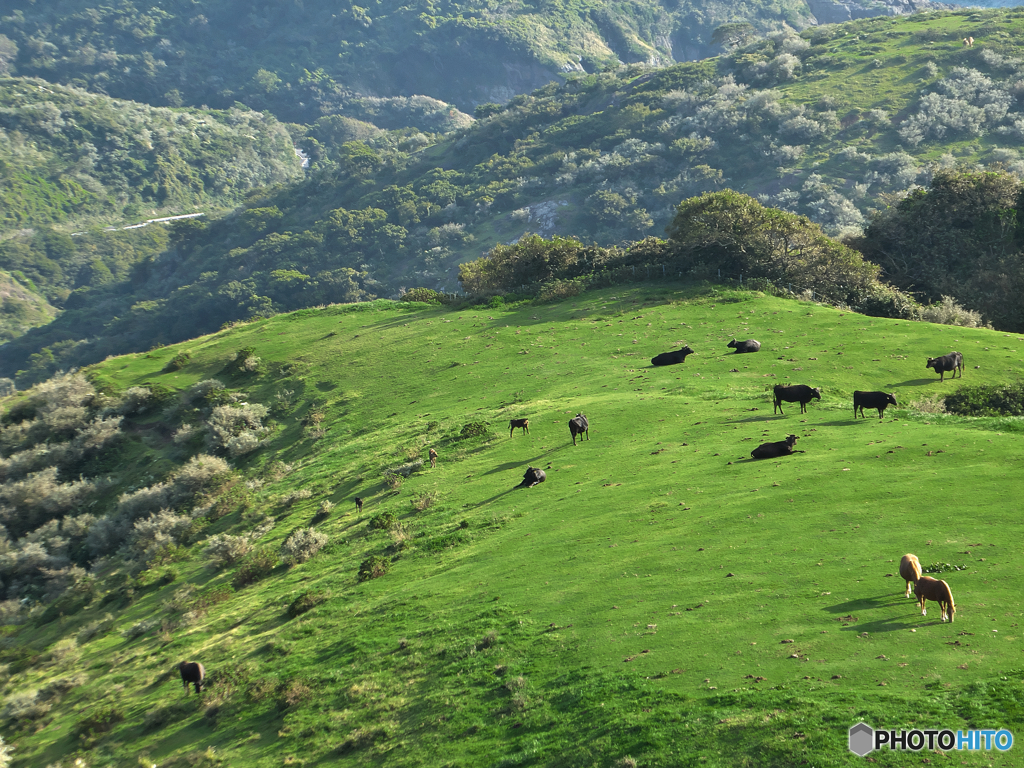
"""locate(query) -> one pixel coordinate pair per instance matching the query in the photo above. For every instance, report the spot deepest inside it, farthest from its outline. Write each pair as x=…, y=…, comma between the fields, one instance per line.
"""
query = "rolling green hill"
x=660, y=600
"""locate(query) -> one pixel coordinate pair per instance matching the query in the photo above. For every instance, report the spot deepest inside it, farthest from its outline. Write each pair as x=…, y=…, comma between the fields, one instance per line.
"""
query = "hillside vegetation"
x=660, y=600
x=304, y=60
x=69, y=155
x=837, y=123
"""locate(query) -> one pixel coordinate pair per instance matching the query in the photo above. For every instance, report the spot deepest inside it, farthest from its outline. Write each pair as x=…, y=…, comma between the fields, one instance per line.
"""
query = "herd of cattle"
x=925, y=587
x=781, y=393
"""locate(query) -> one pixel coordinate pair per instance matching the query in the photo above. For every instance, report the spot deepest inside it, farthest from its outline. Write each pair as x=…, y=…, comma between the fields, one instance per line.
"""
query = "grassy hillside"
x=660, y=600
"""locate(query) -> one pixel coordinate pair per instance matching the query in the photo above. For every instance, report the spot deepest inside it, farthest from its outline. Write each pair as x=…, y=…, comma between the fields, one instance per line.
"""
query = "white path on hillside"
x=147, y=222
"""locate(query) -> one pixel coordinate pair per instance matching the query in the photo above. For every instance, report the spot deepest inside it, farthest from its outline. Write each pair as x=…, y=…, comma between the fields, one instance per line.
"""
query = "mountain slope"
x=71, y=156
x=659, y=599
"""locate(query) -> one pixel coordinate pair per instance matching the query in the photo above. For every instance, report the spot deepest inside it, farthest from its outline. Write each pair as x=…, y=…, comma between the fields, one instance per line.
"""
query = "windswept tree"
x=734, y=233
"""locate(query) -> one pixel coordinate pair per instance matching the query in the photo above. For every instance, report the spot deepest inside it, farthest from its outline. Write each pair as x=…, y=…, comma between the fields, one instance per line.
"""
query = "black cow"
x=359, y=504
x=774, y=450
x=192, y=672
x=954, y=362
x=750, y=345
x=523, y=424
x=578, y=425
x=532, y=477
x=671, y=358
x=796, y=393
x=877, y=400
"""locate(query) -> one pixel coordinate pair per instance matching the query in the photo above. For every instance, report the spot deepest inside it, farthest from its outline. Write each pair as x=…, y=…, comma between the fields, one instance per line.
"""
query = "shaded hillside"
x=21, y=307
x=71, y=156
x=303, y=60
x=660, y=599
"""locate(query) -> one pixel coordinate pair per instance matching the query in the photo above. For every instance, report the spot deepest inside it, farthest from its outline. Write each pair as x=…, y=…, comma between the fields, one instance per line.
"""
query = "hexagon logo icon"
x=862, y=739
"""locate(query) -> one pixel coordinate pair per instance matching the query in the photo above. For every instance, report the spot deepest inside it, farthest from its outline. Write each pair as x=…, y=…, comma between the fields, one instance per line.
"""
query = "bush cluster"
x=987, y=400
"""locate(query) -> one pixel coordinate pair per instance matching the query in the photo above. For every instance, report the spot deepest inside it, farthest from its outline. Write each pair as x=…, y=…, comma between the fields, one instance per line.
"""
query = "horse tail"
x=949, y=596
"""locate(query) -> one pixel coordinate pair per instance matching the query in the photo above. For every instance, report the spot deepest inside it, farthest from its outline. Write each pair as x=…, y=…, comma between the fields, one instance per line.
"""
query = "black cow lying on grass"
x=775, y=450
x=750, y=345
x=192, y=672
x=578, y=425
x=796, y=393
x=954, y=362
x=523, y=424
x=532, y=477
x=877, y=400
x=671, y=358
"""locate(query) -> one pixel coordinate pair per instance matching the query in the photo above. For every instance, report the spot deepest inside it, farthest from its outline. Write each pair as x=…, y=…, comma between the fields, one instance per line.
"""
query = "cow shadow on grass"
x=539, y=458
x=750, y=419
x=911, y=383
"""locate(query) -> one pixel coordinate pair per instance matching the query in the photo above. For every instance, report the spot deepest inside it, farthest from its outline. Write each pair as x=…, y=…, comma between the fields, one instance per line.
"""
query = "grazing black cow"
x=954, y=362
x=877, y=400
x=578, y=425
x=775, y=450
x=192, y=672
x=671, y=358
x=523, y=424
x=750, y=345
x=532, y=477
x=796, y=393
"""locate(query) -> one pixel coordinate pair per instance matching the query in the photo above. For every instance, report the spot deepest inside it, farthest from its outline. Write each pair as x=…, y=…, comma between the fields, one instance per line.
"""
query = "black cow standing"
x=359, y=504
x=954, y=362
x=671, y=358
x=578, y=425
x=796, y=393
x=750, y=345
x=775, y=450
x=877, y=400
x=532, y=477
x=192, y=672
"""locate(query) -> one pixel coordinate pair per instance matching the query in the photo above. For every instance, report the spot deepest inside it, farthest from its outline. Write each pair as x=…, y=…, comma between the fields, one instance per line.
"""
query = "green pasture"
x=661, y=598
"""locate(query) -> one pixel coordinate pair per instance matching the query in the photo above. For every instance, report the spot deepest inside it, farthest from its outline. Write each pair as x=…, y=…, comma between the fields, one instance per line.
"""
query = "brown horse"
x=928, y=588
x=910, y=569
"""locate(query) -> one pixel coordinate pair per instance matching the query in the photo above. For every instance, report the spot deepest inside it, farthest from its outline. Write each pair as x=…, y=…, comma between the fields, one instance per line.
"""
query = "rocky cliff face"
x=836, y=12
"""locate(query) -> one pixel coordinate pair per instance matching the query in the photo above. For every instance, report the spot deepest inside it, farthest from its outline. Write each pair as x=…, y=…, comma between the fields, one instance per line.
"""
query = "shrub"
x=177, y=362
x=374, y=567
x=133, y=400
x=25, y=705
x=473, y=429
x=987, y=400
x=384, y=521
x=138, y=629
x=100, y=719
x=224, y=550
x=257, y=564
x=237, y=429
x=427, y=295
x=303, y=544
x=949, y=312
x=424, y=501
x=94, y=628
x=307, y=601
